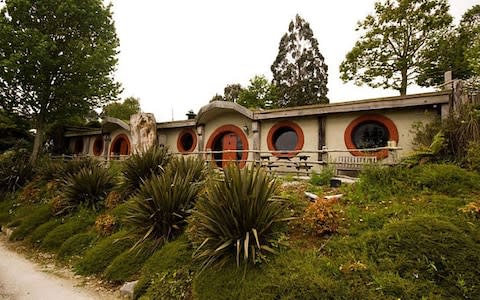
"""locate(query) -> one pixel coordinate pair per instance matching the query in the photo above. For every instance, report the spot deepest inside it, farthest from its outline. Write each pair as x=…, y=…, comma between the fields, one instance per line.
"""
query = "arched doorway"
x=228, y=143
x=120, y=145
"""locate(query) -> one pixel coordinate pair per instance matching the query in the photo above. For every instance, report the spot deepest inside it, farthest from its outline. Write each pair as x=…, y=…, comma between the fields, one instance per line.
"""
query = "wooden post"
x=322, y=123
x=256, y=140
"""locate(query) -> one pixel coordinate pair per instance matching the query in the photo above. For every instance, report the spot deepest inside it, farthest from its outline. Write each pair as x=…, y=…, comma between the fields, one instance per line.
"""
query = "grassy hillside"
x=398, y=233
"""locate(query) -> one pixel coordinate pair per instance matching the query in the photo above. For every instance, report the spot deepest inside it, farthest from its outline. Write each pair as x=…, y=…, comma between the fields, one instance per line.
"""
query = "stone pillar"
x=448, y=80
x=106, y=146
x=256, y=140
x=143, y=129
x=201, y=139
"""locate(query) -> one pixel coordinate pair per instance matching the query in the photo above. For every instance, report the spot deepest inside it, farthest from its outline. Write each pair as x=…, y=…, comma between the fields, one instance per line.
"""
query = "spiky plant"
x=15, y=171
x=87, y=188
x=194, y=167
x=236, y=217
x=141, y=166
x=71, y=167
x=158, y=212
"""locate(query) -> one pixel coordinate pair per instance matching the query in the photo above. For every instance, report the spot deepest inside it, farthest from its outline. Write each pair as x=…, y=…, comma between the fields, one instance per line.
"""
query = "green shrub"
x=53, y=170
x=77, y=244
x=15, y=171
x=446, y=179
x=127, y=264
x=141, y=166
x=96, y=259
x=73, y=225
x=72, y=167
x=38, y=216
x=173, y=255
x=461, y=129
x=48, y=169
x=423, y=134
x=41, y=231
x=472, y=160
x=87, y=188
x=376, y=183
x=236, y=217
x=158, y=213
x=322, y=178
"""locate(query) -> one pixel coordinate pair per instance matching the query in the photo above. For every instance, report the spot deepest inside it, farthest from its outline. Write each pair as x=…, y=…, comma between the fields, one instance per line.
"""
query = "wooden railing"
x=299, y=162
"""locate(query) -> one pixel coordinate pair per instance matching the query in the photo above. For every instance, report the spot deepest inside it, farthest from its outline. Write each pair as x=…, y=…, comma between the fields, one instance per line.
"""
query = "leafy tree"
x=217, y=97
x=124, y=110
x=453, y=50
x=259, y=94
x=13, y=132
x=57, y=59
x=390, y=51
x=299, y=71
x=231, y=93
x=471, y=26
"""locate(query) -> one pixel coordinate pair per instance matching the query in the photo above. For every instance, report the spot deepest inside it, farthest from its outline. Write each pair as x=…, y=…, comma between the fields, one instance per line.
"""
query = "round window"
x=187, y=141
x=370, y=131
x=286, y=138
x=370, y=134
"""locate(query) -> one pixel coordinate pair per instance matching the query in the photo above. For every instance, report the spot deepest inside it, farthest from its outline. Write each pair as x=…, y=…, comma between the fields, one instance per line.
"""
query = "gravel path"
x=22, y=279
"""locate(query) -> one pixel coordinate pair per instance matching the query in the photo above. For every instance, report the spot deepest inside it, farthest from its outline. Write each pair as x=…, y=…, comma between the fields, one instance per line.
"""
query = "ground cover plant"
x=174, y=255
x=126, y=265
x=75, y=224
x=99, y=256
x=30, y=222
x=76, y=244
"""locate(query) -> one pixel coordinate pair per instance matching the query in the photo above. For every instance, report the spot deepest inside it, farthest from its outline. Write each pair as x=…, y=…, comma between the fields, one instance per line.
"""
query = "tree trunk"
x=403, y=85
x=37, y=142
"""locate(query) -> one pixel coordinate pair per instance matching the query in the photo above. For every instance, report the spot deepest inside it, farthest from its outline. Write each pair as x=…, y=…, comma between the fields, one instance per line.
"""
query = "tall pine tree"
x=299, y=71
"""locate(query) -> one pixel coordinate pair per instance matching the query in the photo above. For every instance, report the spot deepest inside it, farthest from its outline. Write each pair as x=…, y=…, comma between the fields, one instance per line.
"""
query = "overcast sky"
x=176, y=55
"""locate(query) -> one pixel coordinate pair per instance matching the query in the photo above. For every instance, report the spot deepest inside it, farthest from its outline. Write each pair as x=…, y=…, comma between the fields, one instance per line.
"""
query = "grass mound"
x=77, y=244
x=6, y=213
x=41, y=231
x=378, y=183
x=38, y=216
x=446, y=179
x=127, y=264
x=291, y=275
x=429, y=249
x=172, y=256
x=97, y=258
x=75, y=224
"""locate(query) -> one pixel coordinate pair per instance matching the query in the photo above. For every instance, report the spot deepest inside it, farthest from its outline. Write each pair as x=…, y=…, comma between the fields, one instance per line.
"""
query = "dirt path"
x=23, y=279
